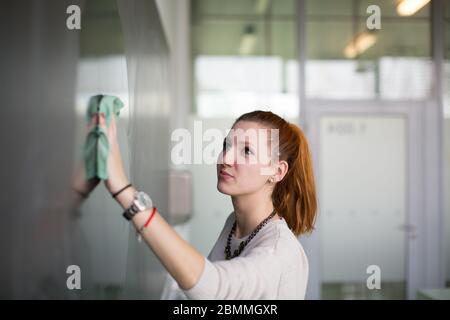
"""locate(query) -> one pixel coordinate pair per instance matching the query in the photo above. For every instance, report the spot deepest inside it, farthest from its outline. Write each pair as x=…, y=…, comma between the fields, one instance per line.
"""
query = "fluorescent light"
x=410, y=7
x=247, y=44
x=248, y=41
x=359, y=44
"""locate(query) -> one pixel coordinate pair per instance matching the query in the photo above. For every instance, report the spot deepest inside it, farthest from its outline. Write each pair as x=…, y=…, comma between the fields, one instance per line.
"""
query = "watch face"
x=140, y=203
x=144, y=200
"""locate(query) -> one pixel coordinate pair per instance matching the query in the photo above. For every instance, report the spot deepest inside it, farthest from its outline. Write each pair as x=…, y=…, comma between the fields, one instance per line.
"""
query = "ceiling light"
x=410, y=7
x=248, y=41
x=360, y=43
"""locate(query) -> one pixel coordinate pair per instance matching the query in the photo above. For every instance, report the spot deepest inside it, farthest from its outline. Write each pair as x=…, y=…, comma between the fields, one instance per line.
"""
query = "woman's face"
x=244, y=164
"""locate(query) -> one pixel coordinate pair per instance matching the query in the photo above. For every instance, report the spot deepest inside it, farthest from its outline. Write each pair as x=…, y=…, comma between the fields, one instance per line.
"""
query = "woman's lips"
x=225, y=175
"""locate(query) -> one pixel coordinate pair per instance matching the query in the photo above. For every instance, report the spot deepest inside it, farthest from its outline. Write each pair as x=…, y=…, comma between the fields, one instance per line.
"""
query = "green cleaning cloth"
x=96, y=147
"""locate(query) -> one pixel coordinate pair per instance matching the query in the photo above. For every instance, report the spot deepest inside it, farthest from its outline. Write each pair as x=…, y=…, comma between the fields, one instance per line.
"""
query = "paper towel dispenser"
x=180, y=196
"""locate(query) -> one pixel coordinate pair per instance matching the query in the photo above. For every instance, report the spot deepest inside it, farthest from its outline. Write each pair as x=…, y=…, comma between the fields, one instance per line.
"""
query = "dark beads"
x=244, y=243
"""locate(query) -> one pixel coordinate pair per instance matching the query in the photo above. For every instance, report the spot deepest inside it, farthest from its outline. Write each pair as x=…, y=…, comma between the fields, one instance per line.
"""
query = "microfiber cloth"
x=97, y=146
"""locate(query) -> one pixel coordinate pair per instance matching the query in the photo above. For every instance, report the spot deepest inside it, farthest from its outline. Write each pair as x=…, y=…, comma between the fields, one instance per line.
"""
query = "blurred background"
x=374, y=103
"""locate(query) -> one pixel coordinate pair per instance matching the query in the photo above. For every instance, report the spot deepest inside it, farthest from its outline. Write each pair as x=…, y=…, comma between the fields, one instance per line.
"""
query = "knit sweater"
x=272, y=266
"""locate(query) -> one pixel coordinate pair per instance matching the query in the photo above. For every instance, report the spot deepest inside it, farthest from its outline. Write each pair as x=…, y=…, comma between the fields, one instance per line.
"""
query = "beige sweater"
x=272, y=266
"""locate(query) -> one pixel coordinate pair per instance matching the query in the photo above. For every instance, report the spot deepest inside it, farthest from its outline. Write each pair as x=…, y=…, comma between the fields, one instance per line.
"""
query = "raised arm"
x=184, y=263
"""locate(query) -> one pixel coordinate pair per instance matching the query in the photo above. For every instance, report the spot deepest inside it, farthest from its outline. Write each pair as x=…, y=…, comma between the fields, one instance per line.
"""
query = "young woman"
x=257, y=254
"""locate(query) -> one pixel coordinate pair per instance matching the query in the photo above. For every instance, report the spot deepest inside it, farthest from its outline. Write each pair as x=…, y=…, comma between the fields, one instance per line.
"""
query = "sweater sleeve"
x=255, y=276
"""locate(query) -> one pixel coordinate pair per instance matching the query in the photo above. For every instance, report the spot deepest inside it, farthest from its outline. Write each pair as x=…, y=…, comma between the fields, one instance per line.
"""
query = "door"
x=367, y=160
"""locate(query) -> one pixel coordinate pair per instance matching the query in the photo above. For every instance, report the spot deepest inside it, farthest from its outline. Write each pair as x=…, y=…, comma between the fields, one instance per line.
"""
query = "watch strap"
x=130, y=212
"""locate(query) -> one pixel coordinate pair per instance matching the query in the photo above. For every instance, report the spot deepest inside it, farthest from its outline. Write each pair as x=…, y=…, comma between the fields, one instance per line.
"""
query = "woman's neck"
x=250, y=210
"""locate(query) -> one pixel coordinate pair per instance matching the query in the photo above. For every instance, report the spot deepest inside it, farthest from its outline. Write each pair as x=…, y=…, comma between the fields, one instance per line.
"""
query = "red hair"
x=294, y=197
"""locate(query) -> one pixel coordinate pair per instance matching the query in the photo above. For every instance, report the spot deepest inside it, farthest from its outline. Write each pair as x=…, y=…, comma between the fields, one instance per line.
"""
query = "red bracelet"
x=146, y=224
x=150, y=218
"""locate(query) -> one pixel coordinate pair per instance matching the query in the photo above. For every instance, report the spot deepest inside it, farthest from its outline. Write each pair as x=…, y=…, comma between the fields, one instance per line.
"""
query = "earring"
x=271, y=179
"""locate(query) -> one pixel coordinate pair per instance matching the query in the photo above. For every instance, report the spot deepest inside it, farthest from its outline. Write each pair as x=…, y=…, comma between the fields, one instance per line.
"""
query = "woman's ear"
x=281, y=170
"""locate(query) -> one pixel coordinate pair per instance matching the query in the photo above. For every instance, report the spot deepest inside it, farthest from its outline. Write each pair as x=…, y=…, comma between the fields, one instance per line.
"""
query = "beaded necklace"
x=244, y=243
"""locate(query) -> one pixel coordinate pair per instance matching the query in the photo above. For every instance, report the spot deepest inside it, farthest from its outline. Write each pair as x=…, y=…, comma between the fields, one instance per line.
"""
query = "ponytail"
x=295, y=196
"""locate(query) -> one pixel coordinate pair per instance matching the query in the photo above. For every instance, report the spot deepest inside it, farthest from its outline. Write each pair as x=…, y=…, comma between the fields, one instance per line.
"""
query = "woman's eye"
x=247, y=151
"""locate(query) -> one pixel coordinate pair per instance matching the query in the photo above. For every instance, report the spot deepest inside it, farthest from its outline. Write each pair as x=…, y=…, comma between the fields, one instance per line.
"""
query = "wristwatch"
x=141, y=202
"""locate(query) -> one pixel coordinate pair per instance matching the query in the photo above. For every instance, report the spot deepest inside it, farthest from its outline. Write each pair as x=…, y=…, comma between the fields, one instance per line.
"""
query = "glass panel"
x=446, y=140
x=282, y=39
x=38, y=75
x=446, y=68
x=243, y=61
x=396, y=66
x=116, y=61
x=49, y=74
x=101, y=248
x=326, y=76
x=225, y=38
x=447, y=10
x=362, y=196
x=327, y=8
x=283, y=7
x=226, y=8
x=244, y=84
x=239, y=8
